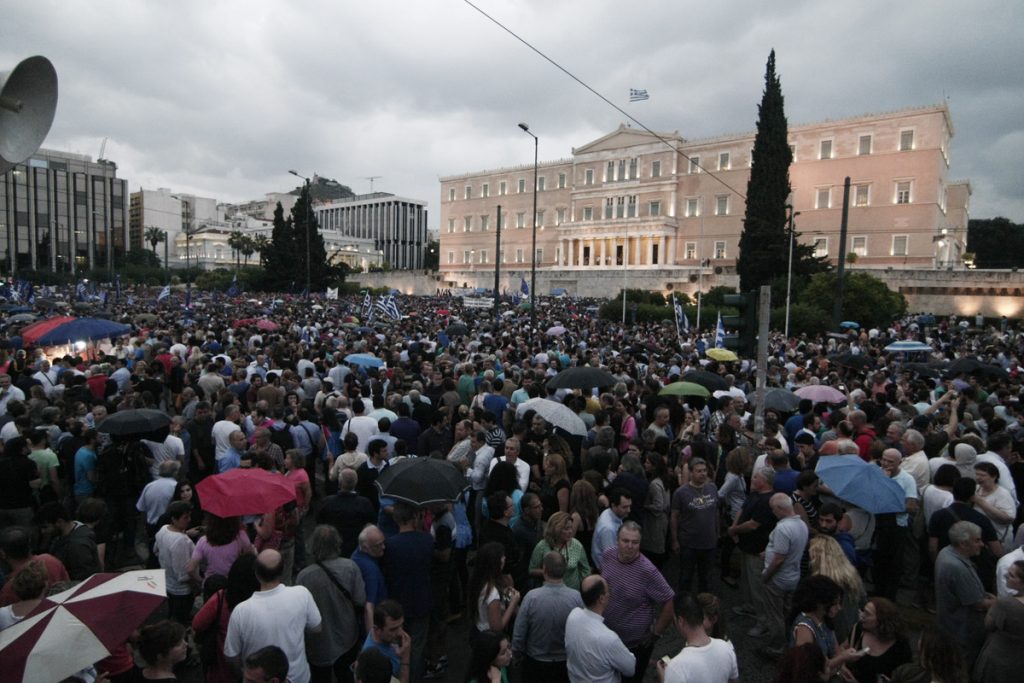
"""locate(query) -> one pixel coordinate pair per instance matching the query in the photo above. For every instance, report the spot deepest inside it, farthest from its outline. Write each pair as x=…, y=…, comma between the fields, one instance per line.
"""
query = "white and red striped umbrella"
x=70, y=631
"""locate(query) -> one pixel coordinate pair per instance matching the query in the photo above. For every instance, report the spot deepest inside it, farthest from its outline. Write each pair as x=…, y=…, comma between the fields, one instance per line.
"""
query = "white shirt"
x=482, y=467
x=916, y=465
x=1003, y=568
x=933, y=500
x=174, y=550
x=5, y=396
x=522, y=471
x=279, y=616
x=222, y=437
x=711, y=663
x=1005, y=478
x=172, y=448
x=594, y=652
x=155, y=498
x=362, y=426
x=48, y=380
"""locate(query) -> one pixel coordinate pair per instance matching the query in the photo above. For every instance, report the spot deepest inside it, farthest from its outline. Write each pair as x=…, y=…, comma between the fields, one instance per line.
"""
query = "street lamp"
x=309, y=224
x=789, y=269
x=533, y=253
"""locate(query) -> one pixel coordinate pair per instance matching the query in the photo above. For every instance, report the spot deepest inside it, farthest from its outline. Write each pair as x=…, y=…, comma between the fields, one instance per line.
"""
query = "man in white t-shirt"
x=275, y=615
x=361, y=425
x=703, y=659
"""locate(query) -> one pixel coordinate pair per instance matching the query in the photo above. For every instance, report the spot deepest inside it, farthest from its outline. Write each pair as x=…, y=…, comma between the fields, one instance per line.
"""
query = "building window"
x=609, y=208
x=588, y=213
x=631, y=207
x=792, y=151
x=485, y=190
x=694, y=164
x=861, y=194
x=465, y=256
x=451, y=258
x=859, y=245
x=722, y=205
x=723, y=161
x=469, y=191
x=899, y=245
x=522, y=185
x=690, y=252
x=484, y=222
x=864, y=145
x=655, y=169
x=823, y=200
x=451, y=225
x=692, y=207
x=540, y=183
x=719, y=250
x=620, y=207
x=622, y=170
x=519, y=255
x=540, y=218
x=632, y=169
x=903, y=192
x=820, y=247
x=521, y=220
x=906, y=140
x=502, y=188
x=504, y=221
x=483, y=256
x=588, y=177
x=609, y=172
x=826, y=150
x=539, y=256
x=451, y=194
x=561, y=181
x=654, y=209
x=559, y=216
x=467, y=224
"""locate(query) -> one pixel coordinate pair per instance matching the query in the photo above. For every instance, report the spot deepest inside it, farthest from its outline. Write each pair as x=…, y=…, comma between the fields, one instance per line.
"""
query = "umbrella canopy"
x=250, y=491
x=584, y=377
x=556, y=414
x=849, y=325
x=243, y=322
x=923, y=369
x=684, y=389
x=266, y=325
x=70, y=631
x=708, y=380
x=555, y=331
x=21, y=318
x=854, y=361
x=907, y=346
x=821, y=393
x=724, y=355
x=30, y=333
x=134, y=421
x=861, y=483
x=457, y=330
x=367, y=360
x=80, y=329
x=782, y=400
x=422, y=481
x=145, y=318
x=970, y=366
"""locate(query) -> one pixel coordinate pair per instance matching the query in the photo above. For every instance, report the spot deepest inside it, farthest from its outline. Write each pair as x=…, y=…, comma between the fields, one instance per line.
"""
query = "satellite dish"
x=28, y=101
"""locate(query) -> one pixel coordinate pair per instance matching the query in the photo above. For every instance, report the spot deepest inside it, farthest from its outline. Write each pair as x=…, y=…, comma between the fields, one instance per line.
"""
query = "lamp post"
x=789, y=269
x=533, y=251
x=309, y=224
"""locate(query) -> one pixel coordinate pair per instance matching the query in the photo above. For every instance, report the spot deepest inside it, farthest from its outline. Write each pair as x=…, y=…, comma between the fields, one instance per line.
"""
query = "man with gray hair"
x=155, y=498
x=367, y=558
x=781, y=574
x=749, y=531
x=347, y=511
x=960, y=599
x=540, y=625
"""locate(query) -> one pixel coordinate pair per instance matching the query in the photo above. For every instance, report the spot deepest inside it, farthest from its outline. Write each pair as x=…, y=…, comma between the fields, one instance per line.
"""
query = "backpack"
x=282, y=437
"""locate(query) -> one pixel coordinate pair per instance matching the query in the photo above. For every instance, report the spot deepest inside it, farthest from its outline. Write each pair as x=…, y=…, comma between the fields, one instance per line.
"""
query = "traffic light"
x=743, y=326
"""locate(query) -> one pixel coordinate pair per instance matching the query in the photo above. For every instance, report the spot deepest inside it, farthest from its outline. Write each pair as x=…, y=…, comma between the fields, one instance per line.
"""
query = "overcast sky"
x=222, y=98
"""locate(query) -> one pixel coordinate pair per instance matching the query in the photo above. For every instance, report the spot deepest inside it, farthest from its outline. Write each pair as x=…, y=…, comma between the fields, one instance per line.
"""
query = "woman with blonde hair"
x=828, y=559
x=584, y=509
x=560, y=536
x=554, y=494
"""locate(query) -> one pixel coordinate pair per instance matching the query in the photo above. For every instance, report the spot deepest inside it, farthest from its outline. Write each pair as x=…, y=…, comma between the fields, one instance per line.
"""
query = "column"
x=625, y=250
x=662, y=253
x=636, y=254
x=579, y=261
x=604, y=247
x=593, y=252
x=650, y=251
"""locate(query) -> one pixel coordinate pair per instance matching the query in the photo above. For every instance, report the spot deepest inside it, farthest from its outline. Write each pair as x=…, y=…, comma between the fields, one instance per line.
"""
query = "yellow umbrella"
x=724, y=355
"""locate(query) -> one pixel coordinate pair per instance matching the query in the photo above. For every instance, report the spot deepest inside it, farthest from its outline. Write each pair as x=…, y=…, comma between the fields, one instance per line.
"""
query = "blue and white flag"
x=233, y=288
x=117, y=288
x=131, y=300
x=80, y=291
x=367, y=304
x=105, y=297
x=381, y=305
x=719, y=333
x=305, y=334
x=523, y=287
x=188, y=296
x=392, y=308
x=164, y=293
x=636, y=95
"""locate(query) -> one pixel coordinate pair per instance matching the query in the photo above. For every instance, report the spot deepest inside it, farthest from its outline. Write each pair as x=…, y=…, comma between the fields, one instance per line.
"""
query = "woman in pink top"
x=215, y=552
x=295, y=470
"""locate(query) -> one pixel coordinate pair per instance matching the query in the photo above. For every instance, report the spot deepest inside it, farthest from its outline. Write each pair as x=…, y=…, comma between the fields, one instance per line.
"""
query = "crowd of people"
x=570, y=552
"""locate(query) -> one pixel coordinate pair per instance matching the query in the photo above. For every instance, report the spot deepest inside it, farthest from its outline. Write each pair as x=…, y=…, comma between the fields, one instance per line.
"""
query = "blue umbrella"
x=907, y=346
x=849, y=325
x=365, y=359
x=863, y=484
x=364, y=329
x=82, y=329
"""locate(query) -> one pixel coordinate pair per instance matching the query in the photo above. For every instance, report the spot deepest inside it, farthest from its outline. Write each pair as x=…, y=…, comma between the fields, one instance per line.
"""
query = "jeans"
x=342, y=668
x=697, y=562
x=775, y=602
x=537, y=671
x=642, y=652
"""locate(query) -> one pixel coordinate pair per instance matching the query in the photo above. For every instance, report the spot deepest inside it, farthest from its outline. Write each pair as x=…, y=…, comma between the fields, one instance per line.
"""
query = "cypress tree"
x=280, y=259
x=307, y=227
x=764, y=242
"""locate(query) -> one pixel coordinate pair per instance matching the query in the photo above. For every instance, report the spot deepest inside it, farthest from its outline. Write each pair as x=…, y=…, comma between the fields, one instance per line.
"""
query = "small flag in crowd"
x=80, y=291
x=636, y=95
x=105, y=297
x=188, y=296
x=523, y=287
x=164, y=293
x=720, y=333
x=332, y=293
x=117, y=288
x=367, y=304
x=233, y=288
x=392, y=308
x=681, y=322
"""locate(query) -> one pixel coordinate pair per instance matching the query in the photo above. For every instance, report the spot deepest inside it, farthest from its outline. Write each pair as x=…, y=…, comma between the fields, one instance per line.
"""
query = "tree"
x=996, y=243
x=155, y=236
x=235, y=242
x=308, y=243
x=247, y=247
x=281, y=257
x=764, y=243
x=867, y=299
x=261, y=243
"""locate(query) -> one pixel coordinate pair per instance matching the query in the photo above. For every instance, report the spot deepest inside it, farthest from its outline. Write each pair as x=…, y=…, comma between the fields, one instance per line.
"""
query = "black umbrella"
x=708, y=380
x=973, y=366
x=582, y=378
x=134, y=421
x=782, y=400
x=854, y=361
x=457, y=330
x=930, y=370
x=422, y=481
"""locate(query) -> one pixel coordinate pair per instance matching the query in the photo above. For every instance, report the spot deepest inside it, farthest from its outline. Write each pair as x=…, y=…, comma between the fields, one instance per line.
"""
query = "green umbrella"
x=685, y=389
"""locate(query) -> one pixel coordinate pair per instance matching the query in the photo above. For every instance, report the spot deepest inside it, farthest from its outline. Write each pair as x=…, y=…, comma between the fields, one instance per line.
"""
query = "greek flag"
x=523, y=287
x=233, y=288
x=681, y=322
x=117, y=288
x=332, y=293
x=188, y=296
x=382, y=305
x=80, y=291
x=305, y=334
x=636, y=95
x=367, y=304
x=164, y=293
x=392, y=308
x=719, y=333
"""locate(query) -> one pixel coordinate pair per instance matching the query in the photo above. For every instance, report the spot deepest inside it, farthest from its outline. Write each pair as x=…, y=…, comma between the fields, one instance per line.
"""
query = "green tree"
x=432, y=255
x=247, y=247
x=261, y=243
x=764, y=242
x=281, y=258
x=996, y=242
x=308, y=243
x=235, y=242
x=867, y=299
x=155, y=236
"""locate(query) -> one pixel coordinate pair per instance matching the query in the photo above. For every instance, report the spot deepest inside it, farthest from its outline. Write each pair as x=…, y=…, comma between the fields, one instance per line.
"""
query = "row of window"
x=474, y=256
x=485, y=189
x=861, y=194
x=865, y=145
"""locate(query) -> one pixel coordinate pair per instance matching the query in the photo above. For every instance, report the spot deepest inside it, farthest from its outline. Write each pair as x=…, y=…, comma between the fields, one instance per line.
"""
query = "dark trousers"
x=888, y=568
x=642, y=652
x=179, y=608
x=535, y=671
x=341, y=669
x=694, y=562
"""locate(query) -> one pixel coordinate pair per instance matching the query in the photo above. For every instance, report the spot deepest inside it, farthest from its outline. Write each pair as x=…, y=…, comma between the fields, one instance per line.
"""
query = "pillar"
x=604, y=247
x=662, y=253
x=650, y=251
x=579, y=261
x=636, y=255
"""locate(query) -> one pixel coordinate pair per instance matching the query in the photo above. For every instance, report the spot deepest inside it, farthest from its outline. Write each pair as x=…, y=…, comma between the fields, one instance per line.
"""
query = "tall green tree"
x=764, y=242
x=996, y=242
x=280, y=259
x=306, y=228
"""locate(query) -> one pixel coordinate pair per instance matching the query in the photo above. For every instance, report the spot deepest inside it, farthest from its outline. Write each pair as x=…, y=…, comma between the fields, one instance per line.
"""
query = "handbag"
x=206, y=640
x=357, y=610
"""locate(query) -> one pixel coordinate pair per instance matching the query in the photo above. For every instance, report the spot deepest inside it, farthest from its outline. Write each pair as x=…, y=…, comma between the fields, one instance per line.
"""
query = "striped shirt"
x=637, y=592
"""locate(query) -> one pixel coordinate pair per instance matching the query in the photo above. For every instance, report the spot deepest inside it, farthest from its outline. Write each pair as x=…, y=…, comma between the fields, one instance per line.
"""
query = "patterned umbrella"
x=821, y=393
x=78, y=329
x=72, y=630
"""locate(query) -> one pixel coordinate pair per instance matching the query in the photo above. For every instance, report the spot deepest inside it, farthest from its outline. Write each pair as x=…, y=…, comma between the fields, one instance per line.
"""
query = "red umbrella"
x=266, y=325
x=30, y=333
x=72, y=630
x=244, y=492
x=243, y=322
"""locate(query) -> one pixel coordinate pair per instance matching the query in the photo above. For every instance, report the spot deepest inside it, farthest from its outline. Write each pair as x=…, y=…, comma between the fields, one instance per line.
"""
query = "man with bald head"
x=893, y=530
x=786, y=545
x=275, y=615
x=594, y=652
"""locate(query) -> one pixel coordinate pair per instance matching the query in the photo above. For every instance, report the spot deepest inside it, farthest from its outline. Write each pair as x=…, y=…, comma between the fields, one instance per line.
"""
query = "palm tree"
x=235, y=242
x=155, y=236
x=262, y=245
x=248, y=246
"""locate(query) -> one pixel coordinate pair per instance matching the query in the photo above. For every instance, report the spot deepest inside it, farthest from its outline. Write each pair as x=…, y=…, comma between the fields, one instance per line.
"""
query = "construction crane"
x=371, y=178
x=103, y=148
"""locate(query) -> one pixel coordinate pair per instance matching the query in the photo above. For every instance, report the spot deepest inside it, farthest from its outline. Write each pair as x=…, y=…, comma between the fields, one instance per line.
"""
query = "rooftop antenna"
x=371, y=178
